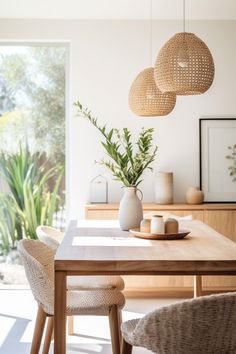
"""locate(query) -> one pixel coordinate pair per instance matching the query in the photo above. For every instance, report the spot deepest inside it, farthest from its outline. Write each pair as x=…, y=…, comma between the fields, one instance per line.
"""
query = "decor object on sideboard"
x=127, y=163
x=164, y=188
x=194, y=195
x=145, y=99
x=216, y=135
x=232, y=158
x=184, y=65
x=99, y=190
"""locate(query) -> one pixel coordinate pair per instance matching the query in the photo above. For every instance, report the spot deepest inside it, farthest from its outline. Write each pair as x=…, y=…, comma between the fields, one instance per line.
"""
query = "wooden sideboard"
x=221, y=217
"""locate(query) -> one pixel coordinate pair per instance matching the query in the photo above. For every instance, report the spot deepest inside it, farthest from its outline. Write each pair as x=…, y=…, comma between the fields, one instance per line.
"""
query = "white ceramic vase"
x=164, y=188
x=130, y=209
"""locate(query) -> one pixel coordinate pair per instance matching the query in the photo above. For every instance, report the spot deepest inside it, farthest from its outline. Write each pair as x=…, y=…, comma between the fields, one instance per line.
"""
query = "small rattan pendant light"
x=145, y=99
x=184, y=65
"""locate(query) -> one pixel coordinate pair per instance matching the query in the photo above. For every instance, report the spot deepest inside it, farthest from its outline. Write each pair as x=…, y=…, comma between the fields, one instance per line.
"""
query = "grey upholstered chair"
x=206, y=325
x=53, y=237
x=38, y=261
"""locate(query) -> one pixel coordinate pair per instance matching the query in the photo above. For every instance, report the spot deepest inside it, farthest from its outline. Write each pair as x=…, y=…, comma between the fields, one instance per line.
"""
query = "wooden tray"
x=181, y=234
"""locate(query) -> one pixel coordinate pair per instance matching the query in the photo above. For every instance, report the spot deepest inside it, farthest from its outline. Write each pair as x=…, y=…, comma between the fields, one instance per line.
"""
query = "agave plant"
x=8, y=222
x=31, y=200
x=40, y=204
x=15, y=167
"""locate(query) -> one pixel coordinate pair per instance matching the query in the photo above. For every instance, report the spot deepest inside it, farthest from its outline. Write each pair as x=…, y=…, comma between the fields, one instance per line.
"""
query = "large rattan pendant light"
x=145, y=99
x=184, y=65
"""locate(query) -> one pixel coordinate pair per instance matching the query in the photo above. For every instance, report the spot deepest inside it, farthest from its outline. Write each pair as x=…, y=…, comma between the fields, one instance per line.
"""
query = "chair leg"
x=70, y=325
x=48, y=336
x=119, y=325
x=126, y=347
x=114, y=329
x=197, y=285
x=38, y=331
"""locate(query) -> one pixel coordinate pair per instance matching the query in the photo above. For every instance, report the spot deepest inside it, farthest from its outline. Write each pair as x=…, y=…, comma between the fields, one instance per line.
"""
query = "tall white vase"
x=164, y=188
x=130, y=209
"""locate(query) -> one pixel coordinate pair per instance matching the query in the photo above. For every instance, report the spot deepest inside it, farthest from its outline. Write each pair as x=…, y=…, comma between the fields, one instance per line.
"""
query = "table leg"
x=197, y=285
x=60, y=313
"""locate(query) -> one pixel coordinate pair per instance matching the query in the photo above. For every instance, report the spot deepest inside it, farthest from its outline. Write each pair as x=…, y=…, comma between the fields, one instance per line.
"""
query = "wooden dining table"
x=99, y=247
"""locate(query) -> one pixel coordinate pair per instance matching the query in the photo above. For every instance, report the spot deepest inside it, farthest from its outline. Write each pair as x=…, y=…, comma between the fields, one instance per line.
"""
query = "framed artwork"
x=218, y=159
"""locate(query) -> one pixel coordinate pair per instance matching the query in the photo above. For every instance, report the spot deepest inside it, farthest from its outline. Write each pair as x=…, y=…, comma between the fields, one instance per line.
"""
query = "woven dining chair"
x=53, y=237
x=205, y=325
x=38, y=261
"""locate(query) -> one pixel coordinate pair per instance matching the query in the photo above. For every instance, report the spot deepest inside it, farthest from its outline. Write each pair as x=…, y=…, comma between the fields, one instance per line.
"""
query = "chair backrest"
x=50, y=236
x=38, y=261
x=206, y=325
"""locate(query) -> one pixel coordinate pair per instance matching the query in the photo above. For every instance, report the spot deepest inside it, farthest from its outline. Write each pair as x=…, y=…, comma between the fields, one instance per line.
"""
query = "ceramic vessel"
x=171, y=226
x=157, y=225
x=130, y=209
x=164, y=188
x=194, y=196
x=99, y=190
x=145, y=225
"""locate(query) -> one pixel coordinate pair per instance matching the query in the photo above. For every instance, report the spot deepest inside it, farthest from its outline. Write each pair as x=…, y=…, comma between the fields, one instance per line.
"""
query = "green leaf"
x=127, y=163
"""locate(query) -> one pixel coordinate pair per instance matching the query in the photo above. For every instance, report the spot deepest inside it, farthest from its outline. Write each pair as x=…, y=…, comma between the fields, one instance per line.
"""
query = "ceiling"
x=118, y=9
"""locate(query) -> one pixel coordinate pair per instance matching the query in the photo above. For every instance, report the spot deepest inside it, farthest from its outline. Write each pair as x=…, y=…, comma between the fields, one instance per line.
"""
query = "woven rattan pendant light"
x=145, y=99
x=184, y=65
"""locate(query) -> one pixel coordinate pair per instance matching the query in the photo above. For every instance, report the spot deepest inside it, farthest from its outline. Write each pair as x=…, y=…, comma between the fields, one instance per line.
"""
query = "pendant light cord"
x=184, y=16
x=150, y=32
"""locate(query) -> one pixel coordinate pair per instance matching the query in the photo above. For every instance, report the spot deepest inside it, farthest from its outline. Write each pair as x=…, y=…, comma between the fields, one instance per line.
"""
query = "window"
x=32, y=139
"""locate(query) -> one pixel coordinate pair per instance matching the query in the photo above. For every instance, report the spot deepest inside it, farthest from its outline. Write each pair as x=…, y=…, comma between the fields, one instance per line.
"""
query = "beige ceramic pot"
x=194, y=196
x=164, y=188
x=171, y=226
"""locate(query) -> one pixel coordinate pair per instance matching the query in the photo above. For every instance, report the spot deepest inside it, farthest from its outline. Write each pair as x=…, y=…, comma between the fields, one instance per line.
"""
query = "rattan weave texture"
x=49, y=235
x=145, y=99
x=204, y=325
x=38, y=261
x=53, y=237
x=184, y=65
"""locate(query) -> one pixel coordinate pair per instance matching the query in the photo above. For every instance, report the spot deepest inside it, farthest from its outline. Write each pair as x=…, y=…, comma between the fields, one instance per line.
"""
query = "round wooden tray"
x=181, y=234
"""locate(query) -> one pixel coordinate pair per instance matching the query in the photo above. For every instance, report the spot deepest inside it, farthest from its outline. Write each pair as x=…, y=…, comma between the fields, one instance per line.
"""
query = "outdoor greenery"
x=32, y=197
x=128, y=159
x=232, y=158
x=32, y=110
x=8, y=223
x=33, y=84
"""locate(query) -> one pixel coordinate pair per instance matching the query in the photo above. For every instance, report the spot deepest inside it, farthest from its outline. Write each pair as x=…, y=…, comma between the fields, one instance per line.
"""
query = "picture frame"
x=216, y=135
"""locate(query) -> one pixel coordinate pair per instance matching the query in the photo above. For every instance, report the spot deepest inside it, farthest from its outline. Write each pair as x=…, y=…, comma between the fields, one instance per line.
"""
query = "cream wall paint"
x=105, y=56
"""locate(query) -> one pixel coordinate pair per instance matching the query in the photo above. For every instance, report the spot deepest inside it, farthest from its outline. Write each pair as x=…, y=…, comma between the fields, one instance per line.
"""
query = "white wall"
x=105, y=57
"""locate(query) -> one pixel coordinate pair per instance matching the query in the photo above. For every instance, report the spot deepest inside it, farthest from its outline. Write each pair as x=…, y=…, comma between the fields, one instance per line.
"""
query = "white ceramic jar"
x=157, y=225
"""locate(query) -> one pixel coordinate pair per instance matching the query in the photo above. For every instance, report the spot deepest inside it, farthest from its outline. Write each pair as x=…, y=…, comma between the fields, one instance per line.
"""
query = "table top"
x=100, y=247
x=168, y=207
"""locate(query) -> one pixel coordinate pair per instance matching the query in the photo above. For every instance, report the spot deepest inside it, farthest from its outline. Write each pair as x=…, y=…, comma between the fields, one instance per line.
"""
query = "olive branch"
x=128, y=159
